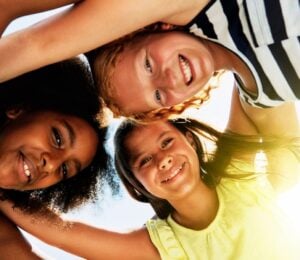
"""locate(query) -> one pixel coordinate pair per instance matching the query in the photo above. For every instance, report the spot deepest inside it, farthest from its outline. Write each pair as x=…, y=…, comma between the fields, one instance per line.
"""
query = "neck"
x=198, y=210
x=227, y=60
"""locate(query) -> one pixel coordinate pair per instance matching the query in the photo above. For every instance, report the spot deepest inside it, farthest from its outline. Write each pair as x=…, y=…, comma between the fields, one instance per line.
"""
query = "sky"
x=122, y=213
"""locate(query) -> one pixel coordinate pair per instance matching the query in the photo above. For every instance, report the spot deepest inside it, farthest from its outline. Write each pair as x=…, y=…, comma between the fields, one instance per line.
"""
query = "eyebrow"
x=70, y=132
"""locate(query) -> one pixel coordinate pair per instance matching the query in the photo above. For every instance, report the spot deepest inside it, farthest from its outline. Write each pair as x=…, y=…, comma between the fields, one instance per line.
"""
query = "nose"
x=50, y=162
x=168, y=80
x=166, y=163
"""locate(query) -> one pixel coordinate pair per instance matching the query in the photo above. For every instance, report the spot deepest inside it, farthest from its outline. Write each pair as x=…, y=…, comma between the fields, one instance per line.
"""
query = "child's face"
x=161, y=70
x=163, y=160
x=40, y=149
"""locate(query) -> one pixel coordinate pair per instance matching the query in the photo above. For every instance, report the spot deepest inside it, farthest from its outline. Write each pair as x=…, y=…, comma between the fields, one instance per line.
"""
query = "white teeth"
x=26, y=169
x=173, y=174
x=186, y=69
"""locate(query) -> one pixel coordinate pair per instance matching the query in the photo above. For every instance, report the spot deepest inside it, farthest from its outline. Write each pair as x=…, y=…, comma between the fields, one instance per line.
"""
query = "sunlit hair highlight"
x=213, y=164
x=104, y=60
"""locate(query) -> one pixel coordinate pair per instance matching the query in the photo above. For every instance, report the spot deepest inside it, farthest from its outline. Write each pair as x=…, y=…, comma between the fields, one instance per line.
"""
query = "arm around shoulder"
x=87, y=241
x=278, y=121
x=87, y=25
x=18, y=8
x=282, y=121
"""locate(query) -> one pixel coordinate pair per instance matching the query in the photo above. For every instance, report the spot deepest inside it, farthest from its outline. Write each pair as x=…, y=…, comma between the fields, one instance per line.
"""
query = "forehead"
x=149, y=133
x=165, y=39
x=130, y=93
x=132, y=89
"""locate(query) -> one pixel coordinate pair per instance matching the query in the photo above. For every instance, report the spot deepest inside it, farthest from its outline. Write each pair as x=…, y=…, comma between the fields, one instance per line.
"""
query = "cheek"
x=87, y=155
x=27, y=138
x=141, y=177
x=147, y=178
x=175, y=98
x=46, y=182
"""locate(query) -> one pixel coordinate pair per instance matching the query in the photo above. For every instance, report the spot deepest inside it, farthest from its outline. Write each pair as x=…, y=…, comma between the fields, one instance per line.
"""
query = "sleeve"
x=164, y=239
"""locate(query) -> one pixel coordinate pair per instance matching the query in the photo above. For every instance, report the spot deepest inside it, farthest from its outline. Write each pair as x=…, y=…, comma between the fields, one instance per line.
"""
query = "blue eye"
x=157, y=96
x=148, y=66
x=57, y=137
x=64, y=171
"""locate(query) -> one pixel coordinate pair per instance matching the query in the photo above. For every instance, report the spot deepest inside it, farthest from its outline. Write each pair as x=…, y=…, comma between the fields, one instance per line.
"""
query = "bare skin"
x=92, y=243
x=53, y=39
x=17, y=8
x=164, y=69
x=75, y=25
x=40, y=149
x=13, y=243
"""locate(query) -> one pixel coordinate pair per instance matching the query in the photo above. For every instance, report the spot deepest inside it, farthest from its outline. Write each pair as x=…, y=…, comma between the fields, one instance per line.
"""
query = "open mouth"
x=173, y=174
x=185, y=69
x=26, y=170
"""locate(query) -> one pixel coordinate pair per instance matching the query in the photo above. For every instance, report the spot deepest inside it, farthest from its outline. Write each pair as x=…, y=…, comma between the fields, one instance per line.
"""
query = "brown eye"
x=57, y=138
x=147, y=65
x=64, y=171
x=145, y=160
x=166, y=142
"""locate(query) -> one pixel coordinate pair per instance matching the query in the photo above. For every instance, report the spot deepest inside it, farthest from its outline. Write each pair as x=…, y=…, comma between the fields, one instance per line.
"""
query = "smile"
x=185, y=69
x=27, y=170
x=173, y=174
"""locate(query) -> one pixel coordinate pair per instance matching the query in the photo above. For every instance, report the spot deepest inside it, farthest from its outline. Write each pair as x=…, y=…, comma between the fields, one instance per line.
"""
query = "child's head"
x=147, y=72
x=159, y=162
x=51, y=144
x=41, y=148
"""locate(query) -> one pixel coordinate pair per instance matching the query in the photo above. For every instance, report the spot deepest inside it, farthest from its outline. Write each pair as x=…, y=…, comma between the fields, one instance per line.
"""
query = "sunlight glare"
x=289, y=202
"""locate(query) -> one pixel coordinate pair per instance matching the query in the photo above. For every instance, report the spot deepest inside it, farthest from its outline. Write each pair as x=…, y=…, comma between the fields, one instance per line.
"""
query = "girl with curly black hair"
x=51, y=144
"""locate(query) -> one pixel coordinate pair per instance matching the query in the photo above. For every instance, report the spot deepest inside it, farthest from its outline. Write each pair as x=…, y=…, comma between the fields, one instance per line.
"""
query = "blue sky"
x=122, y=213
x=105, y=213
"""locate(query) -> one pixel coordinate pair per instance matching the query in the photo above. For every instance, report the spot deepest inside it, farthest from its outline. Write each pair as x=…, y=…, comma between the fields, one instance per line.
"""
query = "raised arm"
x=89, y=24
x=83, y=240
x=12, y=244
x=12, y=9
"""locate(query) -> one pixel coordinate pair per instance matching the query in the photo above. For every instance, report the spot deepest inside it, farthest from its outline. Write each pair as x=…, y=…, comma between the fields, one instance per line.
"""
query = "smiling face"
x=161, y=70
x=40, y=149
x=163, y=160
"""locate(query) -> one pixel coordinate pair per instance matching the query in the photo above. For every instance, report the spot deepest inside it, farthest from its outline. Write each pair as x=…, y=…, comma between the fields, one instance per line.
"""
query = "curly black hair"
x=65, y=87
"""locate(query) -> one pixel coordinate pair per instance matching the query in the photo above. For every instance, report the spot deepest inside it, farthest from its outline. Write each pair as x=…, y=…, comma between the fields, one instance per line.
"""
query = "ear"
x=13, y=113
x=190, y=139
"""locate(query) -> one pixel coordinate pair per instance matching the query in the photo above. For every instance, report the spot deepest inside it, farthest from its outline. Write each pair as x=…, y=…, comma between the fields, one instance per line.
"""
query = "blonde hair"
x=103, y=61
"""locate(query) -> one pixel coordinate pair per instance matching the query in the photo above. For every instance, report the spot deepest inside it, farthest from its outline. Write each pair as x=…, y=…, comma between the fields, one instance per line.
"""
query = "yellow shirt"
x=249, y=225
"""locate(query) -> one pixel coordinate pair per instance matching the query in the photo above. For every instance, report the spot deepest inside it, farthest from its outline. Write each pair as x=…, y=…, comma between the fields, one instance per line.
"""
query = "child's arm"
x=281, y=121
x=83, y=240
x=277, y=121
x=87, y=25
x=12, y=244
x=12, y=9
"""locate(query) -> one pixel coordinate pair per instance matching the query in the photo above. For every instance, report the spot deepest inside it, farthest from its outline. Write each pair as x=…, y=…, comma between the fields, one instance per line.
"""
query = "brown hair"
x=213, y=163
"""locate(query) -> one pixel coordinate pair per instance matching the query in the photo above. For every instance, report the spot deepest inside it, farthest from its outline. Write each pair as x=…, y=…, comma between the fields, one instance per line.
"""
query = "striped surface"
x=266, y=35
